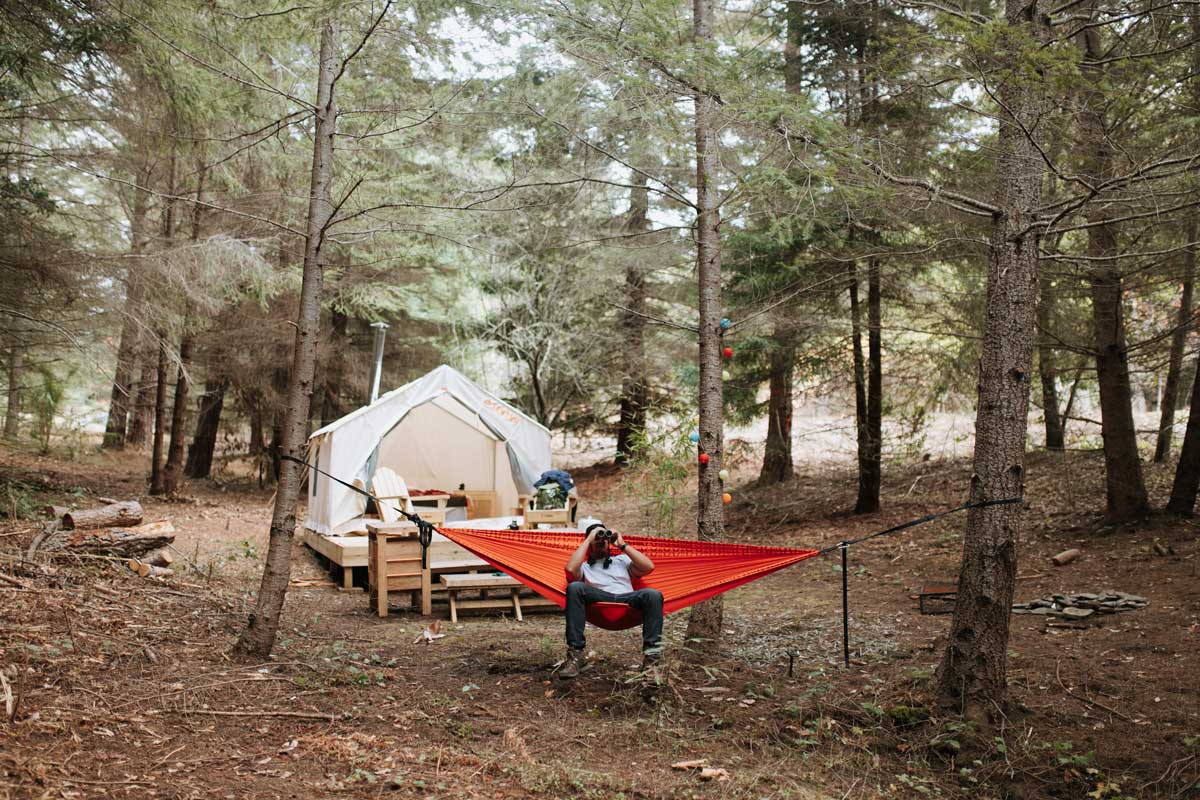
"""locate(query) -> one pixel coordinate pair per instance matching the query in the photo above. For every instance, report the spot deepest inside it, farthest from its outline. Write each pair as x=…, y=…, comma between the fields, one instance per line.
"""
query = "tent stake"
x=845, y=606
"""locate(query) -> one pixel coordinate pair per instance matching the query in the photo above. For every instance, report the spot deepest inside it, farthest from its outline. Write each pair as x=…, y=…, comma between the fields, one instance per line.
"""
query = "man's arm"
x=640, y=564
x=575, y=562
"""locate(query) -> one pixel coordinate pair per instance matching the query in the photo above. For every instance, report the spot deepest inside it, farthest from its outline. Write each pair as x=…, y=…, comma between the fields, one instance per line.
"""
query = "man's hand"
x=575, y=562
x=620, y=542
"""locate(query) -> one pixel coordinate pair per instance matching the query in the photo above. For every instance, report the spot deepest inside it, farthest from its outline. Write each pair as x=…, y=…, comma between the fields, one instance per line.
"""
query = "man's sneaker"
x=650, y=660
x=573, y=665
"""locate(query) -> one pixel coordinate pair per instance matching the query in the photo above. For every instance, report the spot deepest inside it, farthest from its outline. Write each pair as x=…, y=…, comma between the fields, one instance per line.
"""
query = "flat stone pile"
x=1082, y=606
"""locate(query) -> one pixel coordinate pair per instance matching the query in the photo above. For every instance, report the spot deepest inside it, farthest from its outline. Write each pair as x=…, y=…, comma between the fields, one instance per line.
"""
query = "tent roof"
x=441, y=377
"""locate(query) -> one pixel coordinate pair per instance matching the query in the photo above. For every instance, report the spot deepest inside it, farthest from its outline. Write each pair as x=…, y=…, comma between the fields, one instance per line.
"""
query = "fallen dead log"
x=151, y=571
x=119, y=542
x=117, y=515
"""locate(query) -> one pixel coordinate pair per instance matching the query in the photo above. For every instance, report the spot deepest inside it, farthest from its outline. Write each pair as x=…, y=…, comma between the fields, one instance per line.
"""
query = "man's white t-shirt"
x=615, y=579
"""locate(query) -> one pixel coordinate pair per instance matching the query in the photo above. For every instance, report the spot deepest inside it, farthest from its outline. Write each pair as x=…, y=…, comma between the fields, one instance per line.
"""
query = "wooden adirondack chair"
x=390, y=491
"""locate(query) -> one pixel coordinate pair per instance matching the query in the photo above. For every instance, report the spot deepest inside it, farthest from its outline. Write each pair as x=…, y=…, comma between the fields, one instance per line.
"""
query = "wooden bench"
x=483, y=584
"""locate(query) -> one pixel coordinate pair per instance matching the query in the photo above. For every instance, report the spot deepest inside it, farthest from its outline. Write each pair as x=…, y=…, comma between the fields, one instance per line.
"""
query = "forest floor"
x=124, y=687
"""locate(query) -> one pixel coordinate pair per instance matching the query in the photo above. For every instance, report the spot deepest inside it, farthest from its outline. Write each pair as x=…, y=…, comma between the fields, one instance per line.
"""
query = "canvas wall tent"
x=438, y=432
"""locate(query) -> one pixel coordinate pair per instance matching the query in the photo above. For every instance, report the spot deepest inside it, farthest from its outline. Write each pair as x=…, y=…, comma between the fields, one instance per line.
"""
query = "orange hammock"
x=685, y=571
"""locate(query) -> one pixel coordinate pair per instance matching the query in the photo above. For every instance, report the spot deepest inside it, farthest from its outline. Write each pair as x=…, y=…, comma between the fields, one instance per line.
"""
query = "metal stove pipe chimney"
x=377, y=369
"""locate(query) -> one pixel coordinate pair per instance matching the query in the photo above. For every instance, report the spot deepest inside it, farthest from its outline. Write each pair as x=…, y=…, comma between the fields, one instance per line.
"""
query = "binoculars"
x=603, y=534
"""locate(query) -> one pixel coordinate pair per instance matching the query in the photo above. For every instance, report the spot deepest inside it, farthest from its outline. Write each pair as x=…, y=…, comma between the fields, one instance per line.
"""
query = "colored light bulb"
x=727, y=352
x=727, y=498
x=695, y=437
x=723, y=474
x=704, y=458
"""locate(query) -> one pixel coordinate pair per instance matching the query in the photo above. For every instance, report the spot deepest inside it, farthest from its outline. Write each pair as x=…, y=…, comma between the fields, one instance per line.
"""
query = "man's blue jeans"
x=648, y=601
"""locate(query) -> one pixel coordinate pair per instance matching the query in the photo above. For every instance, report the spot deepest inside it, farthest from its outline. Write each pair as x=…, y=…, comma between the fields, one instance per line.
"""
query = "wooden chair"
x=555, y=517
x=390, y=490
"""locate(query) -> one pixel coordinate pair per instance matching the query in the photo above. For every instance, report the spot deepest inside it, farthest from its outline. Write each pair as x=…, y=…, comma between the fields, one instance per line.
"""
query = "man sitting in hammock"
x=600, y=575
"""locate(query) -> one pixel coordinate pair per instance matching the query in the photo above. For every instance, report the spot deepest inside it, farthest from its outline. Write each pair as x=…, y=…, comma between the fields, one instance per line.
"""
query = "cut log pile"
x=155, y=564
x=113, y=530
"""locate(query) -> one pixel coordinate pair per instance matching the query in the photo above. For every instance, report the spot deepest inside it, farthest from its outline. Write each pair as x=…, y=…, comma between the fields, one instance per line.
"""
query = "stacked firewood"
x=114, y=530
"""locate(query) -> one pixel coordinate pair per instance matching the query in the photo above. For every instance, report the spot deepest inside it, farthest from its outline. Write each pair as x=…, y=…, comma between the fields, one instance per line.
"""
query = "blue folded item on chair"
x=563, y=479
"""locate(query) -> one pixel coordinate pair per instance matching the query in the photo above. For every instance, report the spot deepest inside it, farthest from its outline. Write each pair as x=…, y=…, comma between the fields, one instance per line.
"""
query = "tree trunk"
x=1125, y=490
x=1187, y=471
x=973, y=671
x=122, y=390
x=174, y=465
x=258, y=638
x=631, y=425
x=275, y=446
x=140, y=428
x=870, y=464
x=777, y=458
x=860, y=371
x=704, y=623
x=1046, y=367
x=1166, y=421
x=335, y=369
x=208, y=423
x=157, y=479
x=16, y=369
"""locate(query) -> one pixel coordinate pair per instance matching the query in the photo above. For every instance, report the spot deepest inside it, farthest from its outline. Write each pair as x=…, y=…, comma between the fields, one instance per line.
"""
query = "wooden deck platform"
x=352, y=552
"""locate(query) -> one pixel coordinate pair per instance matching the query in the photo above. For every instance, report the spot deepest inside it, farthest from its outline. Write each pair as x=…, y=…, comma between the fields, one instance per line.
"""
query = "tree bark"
x=140, y=427
x=1166, y=421
x=16, y=369
x=157, y=479
x=122, y=390
x=1125, y=489
x=275, y=446
x=860, y=371
x=258, y=638
x=777, y=459
x=1187, y=471
x=1047, y=370
x=631, y=425
x=973, y=671
x=704, y=622
x=870, y=464
x=208, y=423
x=335, y=369
x=174, y=465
